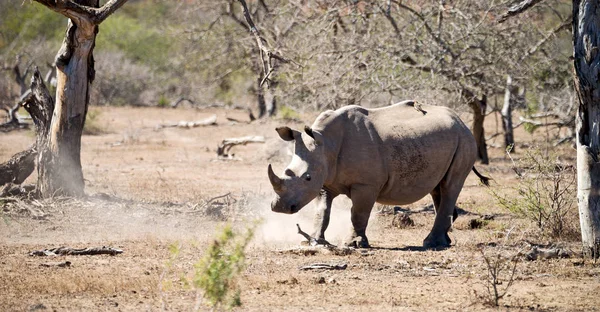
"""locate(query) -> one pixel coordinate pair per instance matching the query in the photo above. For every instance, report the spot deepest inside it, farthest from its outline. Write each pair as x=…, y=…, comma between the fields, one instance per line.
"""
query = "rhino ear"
x=309, y=131
x=285, y=133
x=316, y=135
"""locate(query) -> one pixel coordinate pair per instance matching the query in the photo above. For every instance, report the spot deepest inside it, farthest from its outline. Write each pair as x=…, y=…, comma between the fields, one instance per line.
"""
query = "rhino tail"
x=485, y=180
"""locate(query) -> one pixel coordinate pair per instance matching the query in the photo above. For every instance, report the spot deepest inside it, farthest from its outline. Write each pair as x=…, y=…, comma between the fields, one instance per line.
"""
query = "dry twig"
x=67, y=251
x=324, y=266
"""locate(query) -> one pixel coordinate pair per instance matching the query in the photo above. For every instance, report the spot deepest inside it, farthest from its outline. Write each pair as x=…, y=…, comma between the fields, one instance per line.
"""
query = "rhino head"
x=303, y=178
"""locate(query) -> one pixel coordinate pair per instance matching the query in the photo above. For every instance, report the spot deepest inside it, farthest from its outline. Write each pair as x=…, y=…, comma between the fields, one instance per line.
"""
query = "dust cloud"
x=280, y=230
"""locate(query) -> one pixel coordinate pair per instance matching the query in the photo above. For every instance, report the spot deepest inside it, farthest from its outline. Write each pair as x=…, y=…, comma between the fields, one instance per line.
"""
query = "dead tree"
x=60, y=163
x=510, y=96
x=39, y=104
x=265, y=61
x=586, y=43
x=61, y=124
x=478, y=106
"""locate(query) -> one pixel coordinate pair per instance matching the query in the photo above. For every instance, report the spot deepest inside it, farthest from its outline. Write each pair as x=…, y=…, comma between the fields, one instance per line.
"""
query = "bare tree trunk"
x=260, y=96
x=39, y=104
x=59, y=166
x=60, y=163
x=271, y=99
x=586, y=40
x=479, y=107
x=509, y=101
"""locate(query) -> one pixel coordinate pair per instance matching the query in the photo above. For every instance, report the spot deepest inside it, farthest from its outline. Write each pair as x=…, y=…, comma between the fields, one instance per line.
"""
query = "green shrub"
x=285, y=112
x=545, y=194
x=163, y=101
x=217, y=272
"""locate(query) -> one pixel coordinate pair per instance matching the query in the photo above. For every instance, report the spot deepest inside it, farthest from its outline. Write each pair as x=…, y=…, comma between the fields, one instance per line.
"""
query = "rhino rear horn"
x=275, y=180
x=316, y=135
x=309, y=131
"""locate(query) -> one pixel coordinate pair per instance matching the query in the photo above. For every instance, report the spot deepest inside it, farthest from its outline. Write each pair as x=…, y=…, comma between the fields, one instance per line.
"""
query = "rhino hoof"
x=437, y=243
x=358, y=242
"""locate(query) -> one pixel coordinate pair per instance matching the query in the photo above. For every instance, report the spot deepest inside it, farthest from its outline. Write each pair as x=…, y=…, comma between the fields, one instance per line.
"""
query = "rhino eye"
x=307, y=177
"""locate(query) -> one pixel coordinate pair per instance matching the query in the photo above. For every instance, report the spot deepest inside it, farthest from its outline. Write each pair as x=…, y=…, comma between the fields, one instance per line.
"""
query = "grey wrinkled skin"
x=393, y=155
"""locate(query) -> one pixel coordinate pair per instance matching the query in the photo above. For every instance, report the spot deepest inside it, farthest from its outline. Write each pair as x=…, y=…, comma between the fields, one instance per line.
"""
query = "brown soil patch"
x=151, y=190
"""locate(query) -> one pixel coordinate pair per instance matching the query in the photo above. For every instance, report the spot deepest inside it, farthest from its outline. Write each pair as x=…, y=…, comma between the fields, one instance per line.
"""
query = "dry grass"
x=159, y=188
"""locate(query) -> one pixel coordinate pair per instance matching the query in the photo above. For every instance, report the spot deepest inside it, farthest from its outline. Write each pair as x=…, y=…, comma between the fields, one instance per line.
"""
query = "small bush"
x=500, y=275
x=163, y=101
x=545, y=194
x=217, y=272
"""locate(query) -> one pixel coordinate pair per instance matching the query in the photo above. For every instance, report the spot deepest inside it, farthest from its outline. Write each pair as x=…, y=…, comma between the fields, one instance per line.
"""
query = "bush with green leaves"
x=545, y=194
x=218, y=271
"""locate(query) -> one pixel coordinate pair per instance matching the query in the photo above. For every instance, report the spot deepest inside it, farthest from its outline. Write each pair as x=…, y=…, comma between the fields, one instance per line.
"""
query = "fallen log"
x=212, y=120
x=18, y=167
x=537, y=253
x=324, y=266
x=16, y=190
x=67, y=251
x=226, y=145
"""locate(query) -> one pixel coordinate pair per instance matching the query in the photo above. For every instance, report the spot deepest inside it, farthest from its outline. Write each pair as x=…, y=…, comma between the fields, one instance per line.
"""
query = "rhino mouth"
x=276, y=206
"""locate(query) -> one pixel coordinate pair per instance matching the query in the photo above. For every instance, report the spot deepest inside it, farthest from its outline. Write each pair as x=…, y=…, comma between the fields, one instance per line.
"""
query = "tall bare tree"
x=60, y=162
x=59, y=133
x=586, y=45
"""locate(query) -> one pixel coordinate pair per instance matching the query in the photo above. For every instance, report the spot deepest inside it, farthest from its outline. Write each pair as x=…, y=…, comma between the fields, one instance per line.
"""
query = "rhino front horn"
x=275, y=180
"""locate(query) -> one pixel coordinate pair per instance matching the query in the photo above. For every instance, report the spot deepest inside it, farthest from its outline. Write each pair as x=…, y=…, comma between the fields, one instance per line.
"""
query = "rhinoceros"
x=393, y=155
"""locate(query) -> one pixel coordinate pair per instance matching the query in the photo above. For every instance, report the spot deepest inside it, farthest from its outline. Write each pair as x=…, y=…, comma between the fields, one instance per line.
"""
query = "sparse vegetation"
x=287, y=113
x=217, y=272
x=545, y=194
x=500, y=274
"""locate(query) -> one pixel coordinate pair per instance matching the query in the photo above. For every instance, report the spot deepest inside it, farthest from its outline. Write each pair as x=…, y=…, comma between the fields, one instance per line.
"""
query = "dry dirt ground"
x=152, y=189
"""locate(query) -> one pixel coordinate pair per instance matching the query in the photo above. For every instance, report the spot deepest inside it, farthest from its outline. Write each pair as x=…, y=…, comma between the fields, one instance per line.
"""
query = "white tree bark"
x=509, y=100
x=586, y=41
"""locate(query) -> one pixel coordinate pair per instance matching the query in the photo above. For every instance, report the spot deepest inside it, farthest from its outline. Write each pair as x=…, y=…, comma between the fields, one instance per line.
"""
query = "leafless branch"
x=266, y=54
x=566, y=24
x=430, y=31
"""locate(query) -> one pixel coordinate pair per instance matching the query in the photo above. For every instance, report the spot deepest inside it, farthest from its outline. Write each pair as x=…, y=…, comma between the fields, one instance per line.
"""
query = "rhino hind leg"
x=435, y=240
x=444, y=197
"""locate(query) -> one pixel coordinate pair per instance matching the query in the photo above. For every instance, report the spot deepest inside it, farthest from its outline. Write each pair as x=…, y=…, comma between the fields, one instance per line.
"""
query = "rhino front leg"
x=321, y=221
x=363, y=198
